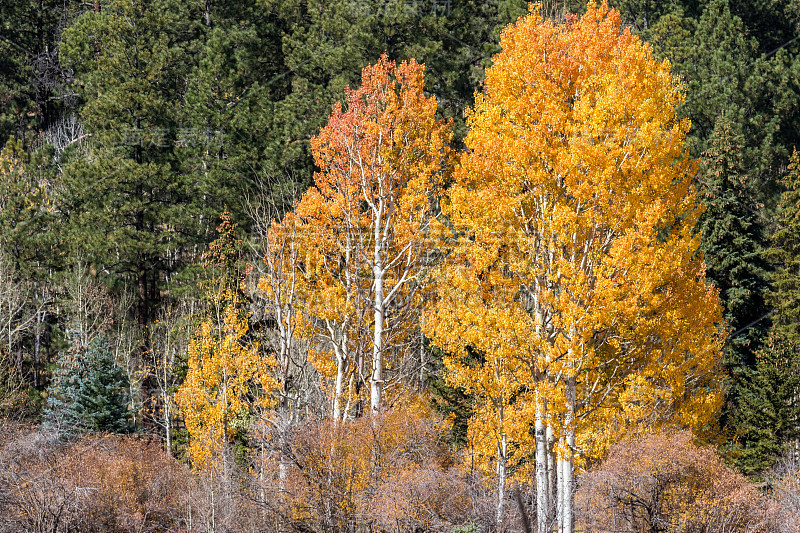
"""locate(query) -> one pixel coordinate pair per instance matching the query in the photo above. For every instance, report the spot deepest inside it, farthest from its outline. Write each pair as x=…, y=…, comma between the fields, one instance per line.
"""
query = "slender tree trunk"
x=560, y=488
x=501, y=482
x=376, y=383
x=551, y=473
x=41, y=316
x=540, y=436
x=569, y=460
x=523, y=511
x=8, y=330
x=283, y=472
x=351, y=390
x=167, y=418
x=262, y=494
x=337, y=393
x=213, y=525
x=423, y=357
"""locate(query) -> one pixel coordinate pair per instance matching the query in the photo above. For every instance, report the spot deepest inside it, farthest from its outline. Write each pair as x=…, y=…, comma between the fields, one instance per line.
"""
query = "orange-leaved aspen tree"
x=382, y=159
x=573, y=272
x=226, y=366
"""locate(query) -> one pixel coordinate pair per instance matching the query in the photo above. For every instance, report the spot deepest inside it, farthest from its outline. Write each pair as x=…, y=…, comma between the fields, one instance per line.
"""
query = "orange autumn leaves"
x=382, y=160
x=566, y=263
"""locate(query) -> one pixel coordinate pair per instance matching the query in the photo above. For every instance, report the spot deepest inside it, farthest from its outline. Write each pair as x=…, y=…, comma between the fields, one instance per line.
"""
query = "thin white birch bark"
x=560, y=465
x=551, y=473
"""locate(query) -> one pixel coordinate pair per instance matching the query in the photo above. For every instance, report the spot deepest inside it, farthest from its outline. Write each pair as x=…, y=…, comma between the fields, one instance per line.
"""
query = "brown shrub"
x=665, y=483
x=388, y=472
x=97, y=483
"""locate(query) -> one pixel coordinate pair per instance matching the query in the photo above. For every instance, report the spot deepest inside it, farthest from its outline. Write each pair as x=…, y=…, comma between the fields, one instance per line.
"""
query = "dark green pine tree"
x=721, y=59
x=59, y=412
x=714, y=67
x=128, y=209
x=768, y=413
x=784, y=257
x=337, y=38
x=772, y=22
x=32, y=82
x=226, y=126
x=451, y=402
x=102, y=400
x=88, y=392
x=731, y=245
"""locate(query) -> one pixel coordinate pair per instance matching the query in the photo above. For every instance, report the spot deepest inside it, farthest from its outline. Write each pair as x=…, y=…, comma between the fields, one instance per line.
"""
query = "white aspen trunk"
x=569, y=460
x=376, y=383
x=560, y=490
x=212, y=525
x=551, y=474
x=542, y=503
x=283, y=472
x=337, y=393
x=501, y=483
x=166, y=397
x=131, y=395
x=422, y=355
x=167, y=424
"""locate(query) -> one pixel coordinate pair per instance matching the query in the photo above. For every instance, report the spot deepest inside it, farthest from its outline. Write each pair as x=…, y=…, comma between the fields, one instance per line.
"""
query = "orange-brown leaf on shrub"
x=665, y=483
x=134, y=485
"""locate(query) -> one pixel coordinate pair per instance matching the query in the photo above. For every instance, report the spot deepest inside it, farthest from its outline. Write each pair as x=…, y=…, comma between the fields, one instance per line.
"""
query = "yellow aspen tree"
x=226, y=366
x=572, y=251
x=279, y=284
x=382, y=159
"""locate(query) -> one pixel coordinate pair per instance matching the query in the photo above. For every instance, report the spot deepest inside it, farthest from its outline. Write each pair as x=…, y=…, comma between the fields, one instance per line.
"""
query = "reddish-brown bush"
x=98, y=483
x=665, y=483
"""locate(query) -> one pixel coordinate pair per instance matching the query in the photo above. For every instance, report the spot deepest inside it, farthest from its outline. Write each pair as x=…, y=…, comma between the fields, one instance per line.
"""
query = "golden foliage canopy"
x=572, y=255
